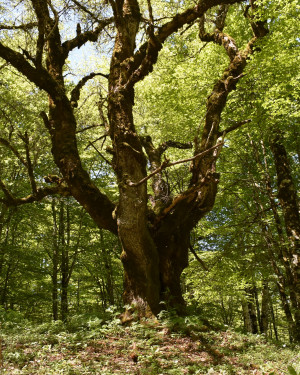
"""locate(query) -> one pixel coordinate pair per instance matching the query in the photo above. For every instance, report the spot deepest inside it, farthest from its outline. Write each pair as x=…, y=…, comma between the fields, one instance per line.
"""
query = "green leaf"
x=292, y=371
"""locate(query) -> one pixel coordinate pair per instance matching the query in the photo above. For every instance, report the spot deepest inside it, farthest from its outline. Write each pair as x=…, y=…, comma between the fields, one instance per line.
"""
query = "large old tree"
x=154, y=231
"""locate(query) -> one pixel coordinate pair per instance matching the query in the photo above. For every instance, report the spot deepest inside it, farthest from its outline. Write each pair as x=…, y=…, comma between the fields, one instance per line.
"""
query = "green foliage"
x=230, y=241
x=292, y=371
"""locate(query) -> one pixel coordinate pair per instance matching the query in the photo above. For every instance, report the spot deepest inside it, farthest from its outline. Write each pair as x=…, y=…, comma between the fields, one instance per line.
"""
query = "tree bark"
x=265, y=308
x=246, y=316
x=108, y=268
x=287, y=195
x=155, y=242
x=63, y=220
x=274, y=321
x=55, y=264
x=139, y=255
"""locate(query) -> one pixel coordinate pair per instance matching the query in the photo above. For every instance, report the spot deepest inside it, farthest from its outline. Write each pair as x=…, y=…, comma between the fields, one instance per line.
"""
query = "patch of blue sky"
x=83, y=61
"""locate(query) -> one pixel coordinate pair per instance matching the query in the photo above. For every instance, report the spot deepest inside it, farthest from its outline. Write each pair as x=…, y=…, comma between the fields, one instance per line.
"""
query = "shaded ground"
x=143, y=348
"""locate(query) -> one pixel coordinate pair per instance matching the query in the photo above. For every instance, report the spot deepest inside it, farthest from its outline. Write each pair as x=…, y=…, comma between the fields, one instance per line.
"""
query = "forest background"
x=58, y=261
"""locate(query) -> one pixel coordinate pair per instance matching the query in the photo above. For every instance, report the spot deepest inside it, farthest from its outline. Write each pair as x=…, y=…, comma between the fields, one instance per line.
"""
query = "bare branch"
x=167, y=164
x=25, y=139
x=24, y=27
x=7, y=193
x=103, y=157
x=198, y=259
x=56, y=19
x=40, y=194
x=174, y=144
x=147, y=142
x=233, y=127
x=221, y=17
x=150, y=13
x=82, y=38
x=40, y=42
x=87, y=128
x=219, y=37
x=75, y=94
x=43, y=17
x=189, y=194
x=40, y=77
x=146, y=56
x=46, y=121
x=82, y=7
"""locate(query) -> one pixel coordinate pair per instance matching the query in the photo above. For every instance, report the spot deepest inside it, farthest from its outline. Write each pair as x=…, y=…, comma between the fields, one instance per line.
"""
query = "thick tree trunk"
x=154, y=242
x=139, y=255
x=173, y=259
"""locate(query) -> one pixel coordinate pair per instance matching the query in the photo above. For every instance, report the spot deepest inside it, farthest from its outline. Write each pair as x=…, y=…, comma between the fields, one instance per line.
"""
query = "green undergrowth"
x=167, y=345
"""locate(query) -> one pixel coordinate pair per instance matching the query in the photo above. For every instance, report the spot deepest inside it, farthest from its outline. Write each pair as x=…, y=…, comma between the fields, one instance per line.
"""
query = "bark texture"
x=155, y=237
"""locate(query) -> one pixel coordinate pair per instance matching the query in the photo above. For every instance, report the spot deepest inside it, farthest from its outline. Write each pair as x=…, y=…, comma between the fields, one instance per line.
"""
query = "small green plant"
x=292, y=370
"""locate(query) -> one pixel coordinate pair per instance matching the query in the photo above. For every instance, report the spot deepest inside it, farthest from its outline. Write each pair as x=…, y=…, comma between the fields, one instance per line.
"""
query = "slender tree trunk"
x=286, y=308
x=64, y=260
x=54, y=291
x=264, y=321
x=278, y=248
x=78, y=294
x=273, y=321
x=281, y=285
x=4, y=243
x=252, y=312
x=11, y=264
x=4, y=292
x=55, y=264
x=287, y=195
x=109, y=282
x=255, y=294
x=246, y=316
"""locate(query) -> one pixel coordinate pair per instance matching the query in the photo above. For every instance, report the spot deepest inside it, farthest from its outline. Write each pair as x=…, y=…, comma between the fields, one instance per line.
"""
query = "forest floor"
x=150, y=348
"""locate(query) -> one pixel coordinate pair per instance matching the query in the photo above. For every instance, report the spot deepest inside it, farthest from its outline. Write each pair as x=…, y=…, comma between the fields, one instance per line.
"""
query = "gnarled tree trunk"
x=155, y=240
